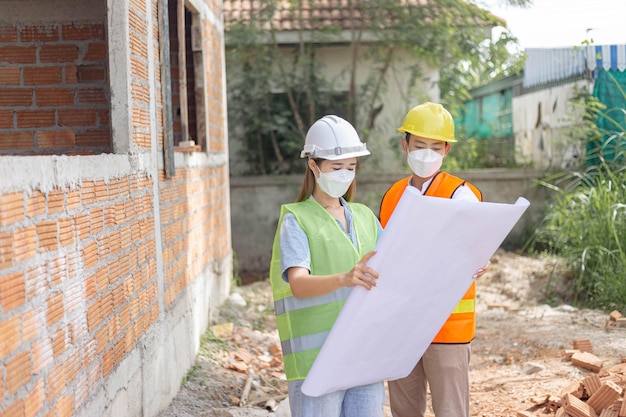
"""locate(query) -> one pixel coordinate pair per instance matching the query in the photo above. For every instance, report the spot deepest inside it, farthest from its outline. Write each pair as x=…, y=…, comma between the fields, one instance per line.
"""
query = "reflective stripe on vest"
x=460, y=327
x=303, y=323
x=465, y=306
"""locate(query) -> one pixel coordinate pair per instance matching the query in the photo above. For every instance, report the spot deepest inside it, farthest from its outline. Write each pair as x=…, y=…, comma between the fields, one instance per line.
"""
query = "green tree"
x=447, y=34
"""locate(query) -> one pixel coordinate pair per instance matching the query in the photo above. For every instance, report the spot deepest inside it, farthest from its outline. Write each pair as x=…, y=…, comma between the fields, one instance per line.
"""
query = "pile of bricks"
x=600, y=394
x=615, y=320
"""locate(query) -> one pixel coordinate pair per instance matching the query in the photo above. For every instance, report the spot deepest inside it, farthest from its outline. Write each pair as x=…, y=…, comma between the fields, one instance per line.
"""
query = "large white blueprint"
x=426, y=257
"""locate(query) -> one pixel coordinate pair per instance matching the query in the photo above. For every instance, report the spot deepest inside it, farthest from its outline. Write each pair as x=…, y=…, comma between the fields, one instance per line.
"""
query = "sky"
x=557, y=23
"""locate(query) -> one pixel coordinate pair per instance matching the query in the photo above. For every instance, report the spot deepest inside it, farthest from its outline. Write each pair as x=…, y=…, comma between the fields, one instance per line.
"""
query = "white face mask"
x=335, y=183
x=424, y=162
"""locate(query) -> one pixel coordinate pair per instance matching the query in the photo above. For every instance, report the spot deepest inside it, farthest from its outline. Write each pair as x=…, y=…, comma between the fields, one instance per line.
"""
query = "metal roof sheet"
x=548, y=65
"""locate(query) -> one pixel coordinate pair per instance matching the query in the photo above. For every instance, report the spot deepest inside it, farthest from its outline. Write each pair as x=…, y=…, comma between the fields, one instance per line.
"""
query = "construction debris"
x=615, y=320
x=600, y=394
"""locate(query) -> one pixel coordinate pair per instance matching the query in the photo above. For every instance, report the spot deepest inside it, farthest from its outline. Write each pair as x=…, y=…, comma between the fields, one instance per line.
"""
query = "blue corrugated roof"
x=549, y=65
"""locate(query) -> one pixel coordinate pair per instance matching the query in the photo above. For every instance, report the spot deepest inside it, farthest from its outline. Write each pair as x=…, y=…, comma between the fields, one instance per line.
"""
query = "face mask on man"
x=424, y=162
x=335, y=183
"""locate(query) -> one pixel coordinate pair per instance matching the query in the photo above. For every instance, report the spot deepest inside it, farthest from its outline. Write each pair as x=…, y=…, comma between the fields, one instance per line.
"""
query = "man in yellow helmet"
x=429, y=130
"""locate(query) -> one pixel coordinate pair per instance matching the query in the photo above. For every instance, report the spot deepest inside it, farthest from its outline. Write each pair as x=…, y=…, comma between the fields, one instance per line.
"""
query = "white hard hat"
x=332, y=137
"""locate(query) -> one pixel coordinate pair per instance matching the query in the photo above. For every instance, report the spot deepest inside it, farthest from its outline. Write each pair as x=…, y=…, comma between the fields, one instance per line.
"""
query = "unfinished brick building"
x=115, y=240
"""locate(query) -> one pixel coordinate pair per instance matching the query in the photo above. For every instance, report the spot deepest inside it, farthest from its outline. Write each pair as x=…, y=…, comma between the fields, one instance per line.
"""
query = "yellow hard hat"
x=430, y=121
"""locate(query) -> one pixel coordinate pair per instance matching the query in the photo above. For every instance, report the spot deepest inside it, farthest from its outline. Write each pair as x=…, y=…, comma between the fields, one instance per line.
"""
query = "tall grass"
x=586, y=227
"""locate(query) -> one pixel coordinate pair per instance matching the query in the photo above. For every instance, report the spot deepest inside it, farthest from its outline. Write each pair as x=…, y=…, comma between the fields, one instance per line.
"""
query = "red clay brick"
x=90, y=287
x=33, y=324
x=114, y=327
x=16, y=140
x=102, y=338
x=55, y=199
x=71, y=74
x=8, y=34
x=35, y=118
x=42, y=354
x=18, y=54
x=96, y=52
x=11, y=335
x=6, y=250
x=37, y=281
x=102, y=279
x=47, y=234
x=97, y=220
x=58, y=53
x=35, y=399
x=104, y=117
x=94, y=137
x=72, y=366
x=35, y=204
x=9, y=75
x=55, y=382
x=66, y=231
x=12, y=208
x=92, y=96
x=54, y=97
x=12, y=291
x=18, y=371
x=107, y=362
x=56, y=139
x=101, y=190
x=16, y=97
x=39, y=75
x=91, y=73
x=57, y=270
x=6, y=119
x=59, y=342
x=82, y=225
x=15, y=409
x=139, y=68
x=54, y=308
x=74, y=264
x=77, y=117
x=90, y=255
x=106, y=304
x=24, y=244
x=87, y=193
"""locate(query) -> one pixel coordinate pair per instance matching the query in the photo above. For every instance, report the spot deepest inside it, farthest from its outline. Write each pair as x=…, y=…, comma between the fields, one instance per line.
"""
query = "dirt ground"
x=518, y=354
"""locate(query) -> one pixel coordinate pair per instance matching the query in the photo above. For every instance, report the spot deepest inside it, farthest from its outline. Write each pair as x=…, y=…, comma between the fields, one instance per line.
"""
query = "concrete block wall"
x=109, y=269
x=256, y=205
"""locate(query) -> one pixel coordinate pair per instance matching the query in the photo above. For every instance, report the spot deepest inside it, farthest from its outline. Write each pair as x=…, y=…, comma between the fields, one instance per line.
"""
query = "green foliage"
x=275, y=91
x=482, y=63
x=586, y=225
x=462, y=155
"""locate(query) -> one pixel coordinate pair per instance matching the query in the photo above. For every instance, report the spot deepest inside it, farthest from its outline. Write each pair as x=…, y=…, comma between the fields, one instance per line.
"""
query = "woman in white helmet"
x=321, y=248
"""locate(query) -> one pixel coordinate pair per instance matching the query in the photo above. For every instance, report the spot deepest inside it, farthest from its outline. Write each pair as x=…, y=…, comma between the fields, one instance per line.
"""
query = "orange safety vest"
x=461, y=325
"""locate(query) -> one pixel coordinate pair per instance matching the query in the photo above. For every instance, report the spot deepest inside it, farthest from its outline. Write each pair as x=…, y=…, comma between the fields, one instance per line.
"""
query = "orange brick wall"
x=53, y=89
x=79, y=270
x=195, y=225
x=78, y=289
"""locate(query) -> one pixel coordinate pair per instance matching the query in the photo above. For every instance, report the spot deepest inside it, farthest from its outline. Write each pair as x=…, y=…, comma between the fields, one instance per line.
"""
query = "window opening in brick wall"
x=187, y=77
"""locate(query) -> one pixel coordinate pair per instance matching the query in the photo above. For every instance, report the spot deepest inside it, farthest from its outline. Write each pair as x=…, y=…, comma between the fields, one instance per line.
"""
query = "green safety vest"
x=303, y=323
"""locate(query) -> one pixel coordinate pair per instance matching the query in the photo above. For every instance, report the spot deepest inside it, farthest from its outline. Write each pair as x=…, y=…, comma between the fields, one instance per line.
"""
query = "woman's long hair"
x=308, y=184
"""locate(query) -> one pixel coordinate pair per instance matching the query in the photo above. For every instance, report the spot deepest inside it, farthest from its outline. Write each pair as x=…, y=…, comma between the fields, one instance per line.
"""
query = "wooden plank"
x=182, y=72
x=166, y=90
